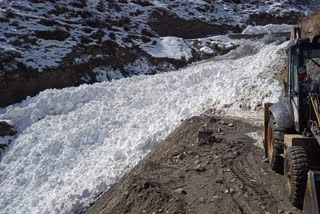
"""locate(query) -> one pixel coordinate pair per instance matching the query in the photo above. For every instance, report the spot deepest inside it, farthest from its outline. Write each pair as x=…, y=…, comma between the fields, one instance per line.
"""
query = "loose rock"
x=222, y=122
x=202, y=200
x=206, y=137
x=6, y=129
x=219, y=181
x=180, y=157
x=236, y=153
x=200, y=168
x=214, y=198
x=180, y=191
x=2, y=146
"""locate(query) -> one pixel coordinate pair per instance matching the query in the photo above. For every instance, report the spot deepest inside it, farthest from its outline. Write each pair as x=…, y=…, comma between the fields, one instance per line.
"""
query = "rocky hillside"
x=311, y=25
x=54, y=44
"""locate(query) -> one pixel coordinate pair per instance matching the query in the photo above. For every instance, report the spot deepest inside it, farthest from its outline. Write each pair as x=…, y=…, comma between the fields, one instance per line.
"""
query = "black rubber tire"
x=296, y=172
x=275, y=145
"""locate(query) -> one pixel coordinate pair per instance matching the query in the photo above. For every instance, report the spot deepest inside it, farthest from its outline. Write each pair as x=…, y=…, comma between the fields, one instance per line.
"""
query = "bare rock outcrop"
x=6, y=129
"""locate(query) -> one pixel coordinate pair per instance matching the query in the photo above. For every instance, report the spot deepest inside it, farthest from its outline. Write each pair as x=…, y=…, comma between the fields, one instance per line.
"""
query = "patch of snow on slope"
x=169, y=47
x=207, y=50
x=267, y=29
x=74, y=143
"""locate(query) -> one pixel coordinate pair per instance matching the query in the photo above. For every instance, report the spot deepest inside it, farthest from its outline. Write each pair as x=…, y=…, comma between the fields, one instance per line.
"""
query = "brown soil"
x=224, y=174
x=311, y=25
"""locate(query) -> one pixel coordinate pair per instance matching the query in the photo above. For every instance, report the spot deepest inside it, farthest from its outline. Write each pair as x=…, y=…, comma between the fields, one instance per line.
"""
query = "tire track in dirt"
x=181, y=176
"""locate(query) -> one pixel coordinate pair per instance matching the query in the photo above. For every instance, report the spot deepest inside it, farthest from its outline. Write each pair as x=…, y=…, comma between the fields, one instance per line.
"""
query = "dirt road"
x=223, y=173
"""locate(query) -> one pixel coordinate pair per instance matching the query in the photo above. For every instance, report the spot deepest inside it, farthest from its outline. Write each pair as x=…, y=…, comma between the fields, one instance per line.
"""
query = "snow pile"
x=266, y=29
x=73, y=143
x=169, y=47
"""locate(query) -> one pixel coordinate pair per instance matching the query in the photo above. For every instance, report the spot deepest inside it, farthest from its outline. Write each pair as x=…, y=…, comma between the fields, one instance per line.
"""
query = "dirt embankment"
x=223, y=173
x=311, y=25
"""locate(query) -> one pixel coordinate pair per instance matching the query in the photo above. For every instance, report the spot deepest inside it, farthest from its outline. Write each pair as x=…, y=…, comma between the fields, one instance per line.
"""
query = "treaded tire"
x=275, y=145
x=296, y=172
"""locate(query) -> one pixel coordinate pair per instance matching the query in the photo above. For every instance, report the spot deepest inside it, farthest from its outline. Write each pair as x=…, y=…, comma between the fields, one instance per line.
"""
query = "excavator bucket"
x=312, y=195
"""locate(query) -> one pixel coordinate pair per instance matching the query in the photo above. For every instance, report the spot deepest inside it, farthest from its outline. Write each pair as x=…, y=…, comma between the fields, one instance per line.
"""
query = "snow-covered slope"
x=73, y=143
x=43, y=32
x=60, y=43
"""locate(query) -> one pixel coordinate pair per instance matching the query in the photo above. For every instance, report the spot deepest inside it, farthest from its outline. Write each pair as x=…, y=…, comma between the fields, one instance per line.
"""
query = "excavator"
x=292, y=125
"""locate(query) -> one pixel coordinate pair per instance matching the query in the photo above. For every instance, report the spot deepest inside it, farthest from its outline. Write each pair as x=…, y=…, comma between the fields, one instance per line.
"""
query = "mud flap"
x=265, y=127
x=312, y=195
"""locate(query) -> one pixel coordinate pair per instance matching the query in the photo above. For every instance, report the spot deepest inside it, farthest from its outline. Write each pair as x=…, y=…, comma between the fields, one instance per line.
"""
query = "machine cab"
x=303, y=78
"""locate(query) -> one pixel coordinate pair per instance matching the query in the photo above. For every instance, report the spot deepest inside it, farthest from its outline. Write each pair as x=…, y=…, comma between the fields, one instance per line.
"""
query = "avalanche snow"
x=75, y=142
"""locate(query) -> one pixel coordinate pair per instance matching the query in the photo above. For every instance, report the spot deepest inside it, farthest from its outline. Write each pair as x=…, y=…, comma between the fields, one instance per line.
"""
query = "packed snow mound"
x=169, y=47
x=266, y=29
x=74, y=143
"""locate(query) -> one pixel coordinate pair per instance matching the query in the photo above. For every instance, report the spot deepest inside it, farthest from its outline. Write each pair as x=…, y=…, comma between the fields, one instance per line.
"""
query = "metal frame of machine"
x=291, y=127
